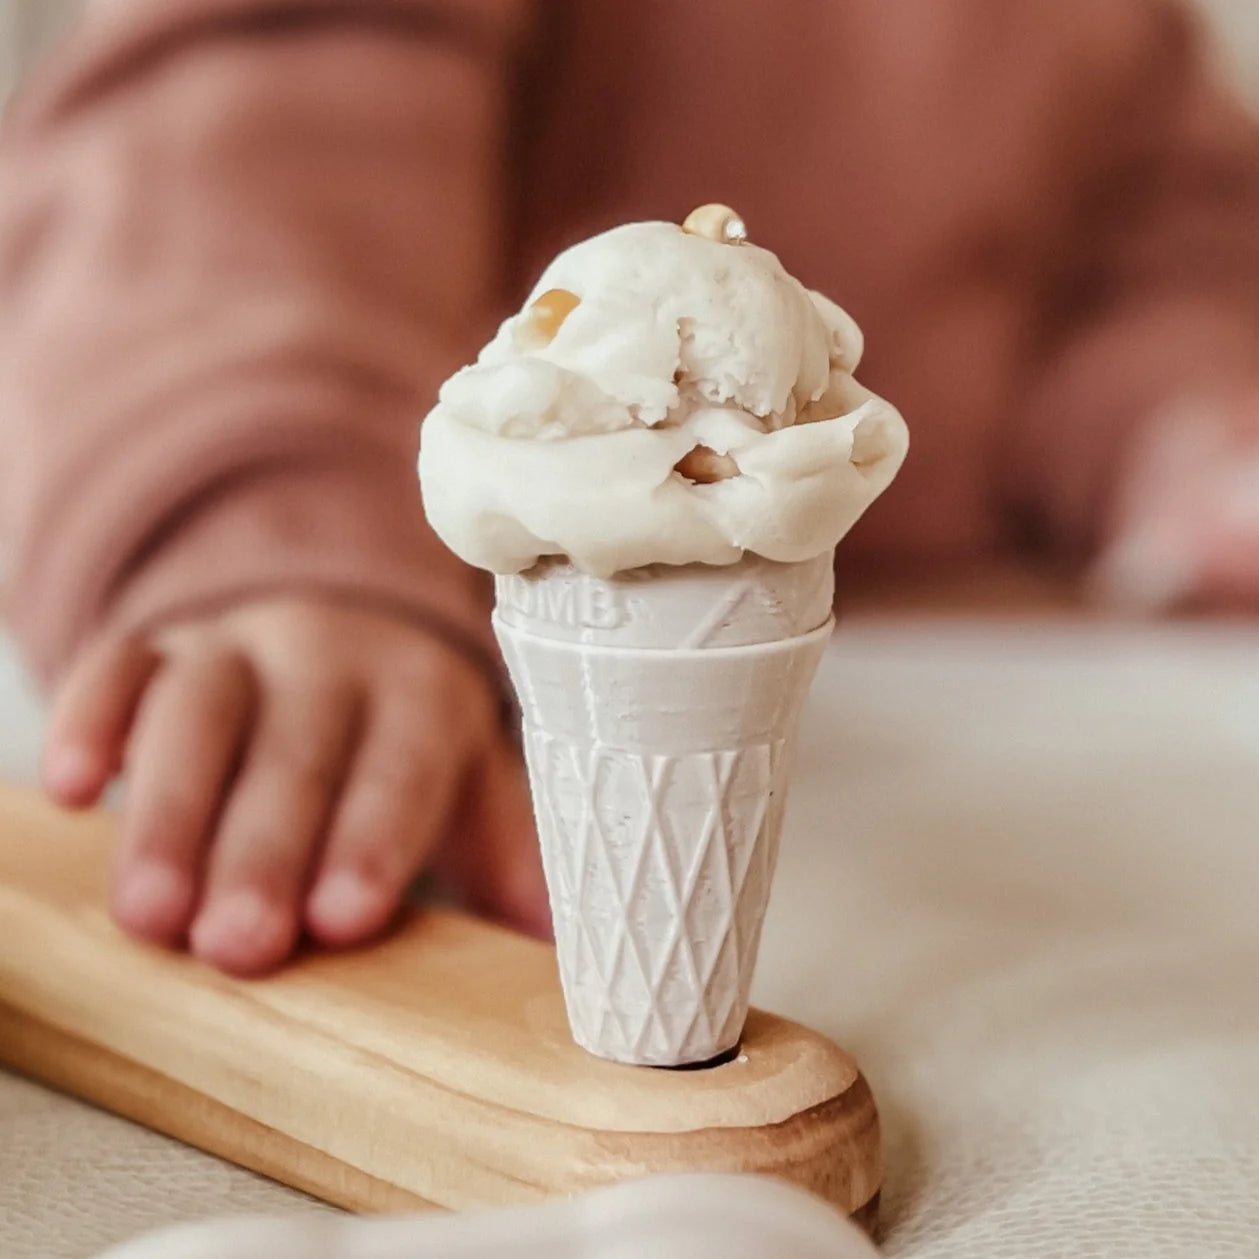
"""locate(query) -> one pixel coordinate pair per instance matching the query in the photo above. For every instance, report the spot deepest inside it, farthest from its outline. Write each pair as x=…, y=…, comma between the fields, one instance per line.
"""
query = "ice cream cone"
x=669, y=406
x=660, y=709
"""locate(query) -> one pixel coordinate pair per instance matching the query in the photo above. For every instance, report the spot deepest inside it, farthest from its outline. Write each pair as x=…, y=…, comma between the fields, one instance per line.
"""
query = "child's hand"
x=1187, y=532
x=292, y=765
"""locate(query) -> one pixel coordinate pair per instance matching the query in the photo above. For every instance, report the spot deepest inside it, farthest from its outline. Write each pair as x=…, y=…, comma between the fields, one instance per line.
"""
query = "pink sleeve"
x=1159, y=294
x=241, y=243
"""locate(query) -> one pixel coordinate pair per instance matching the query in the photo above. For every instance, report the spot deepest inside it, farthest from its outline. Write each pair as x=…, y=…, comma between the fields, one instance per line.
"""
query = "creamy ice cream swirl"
x=662, y=397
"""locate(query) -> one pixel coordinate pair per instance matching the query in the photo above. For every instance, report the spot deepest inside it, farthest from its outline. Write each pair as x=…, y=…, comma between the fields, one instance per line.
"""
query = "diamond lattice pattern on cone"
x=659, y=870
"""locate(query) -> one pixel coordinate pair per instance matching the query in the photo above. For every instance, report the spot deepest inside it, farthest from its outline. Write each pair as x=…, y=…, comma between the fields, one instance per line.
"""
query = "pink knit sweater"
x=242, y=241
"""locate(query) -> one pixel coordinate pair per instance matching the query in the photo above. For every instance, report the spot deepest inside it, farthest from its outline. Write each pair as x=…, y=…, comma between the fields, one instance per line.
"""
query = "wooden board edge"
x=86, y=1071
x=147, y=1097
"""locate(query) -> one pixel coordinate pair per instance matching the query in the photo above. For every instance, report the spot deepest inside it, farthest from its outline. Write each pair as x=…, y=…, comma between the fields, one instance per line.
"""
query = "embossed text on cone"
x=659, y=774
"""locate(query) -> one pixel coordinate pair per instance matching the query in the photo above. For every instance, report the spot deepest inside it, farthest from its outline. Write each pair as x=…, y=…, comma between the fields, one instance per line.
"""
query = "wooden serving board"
x=433, y=1069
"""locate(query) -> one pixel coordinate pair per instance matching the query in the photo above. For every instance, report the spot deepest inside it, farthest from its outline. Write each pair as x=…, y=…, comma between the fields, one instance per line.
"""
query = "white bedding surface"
x=1020, y=881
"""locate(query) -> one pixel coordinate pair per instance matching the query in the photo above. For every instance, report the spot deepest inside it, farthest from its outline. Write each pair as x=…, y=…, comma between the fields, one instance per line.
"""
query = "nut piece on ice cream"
x=542, y=319
x=717, y=222
x=705, y=466
x=657, y=457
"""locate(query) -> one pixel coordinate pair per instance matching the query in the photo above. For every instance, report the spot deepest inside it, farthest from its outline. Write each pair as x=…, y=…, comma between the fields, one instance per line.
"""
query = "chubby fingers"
x=187, y=738
x=394, y=810
x=92, y=716
x=492, y=861
x=272, y=826
x=1227, y=577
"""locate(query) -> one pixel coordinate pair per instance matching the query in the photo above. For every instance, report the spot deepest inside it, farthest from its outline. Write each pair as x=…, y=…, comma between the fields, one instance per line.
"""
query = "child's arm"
x=1158, y=324
x=240, y=242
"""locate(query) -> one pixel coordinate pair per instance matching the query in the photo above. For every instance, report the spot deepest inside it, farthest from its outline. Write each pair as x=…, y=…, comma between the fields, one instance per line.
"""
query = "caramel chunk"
x=546, y=316
x=704, y=466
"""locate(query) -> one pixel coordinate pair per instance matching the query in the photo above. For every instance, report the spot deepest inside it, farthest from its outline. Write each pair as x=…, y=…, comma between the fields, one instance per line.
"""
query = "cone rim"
x=823, y=633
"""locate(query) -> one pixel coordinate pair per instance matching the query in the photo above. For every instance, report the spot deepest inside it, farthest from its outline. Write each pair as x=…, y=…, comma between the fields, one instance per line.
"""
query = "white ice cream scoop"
x=667, y=395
